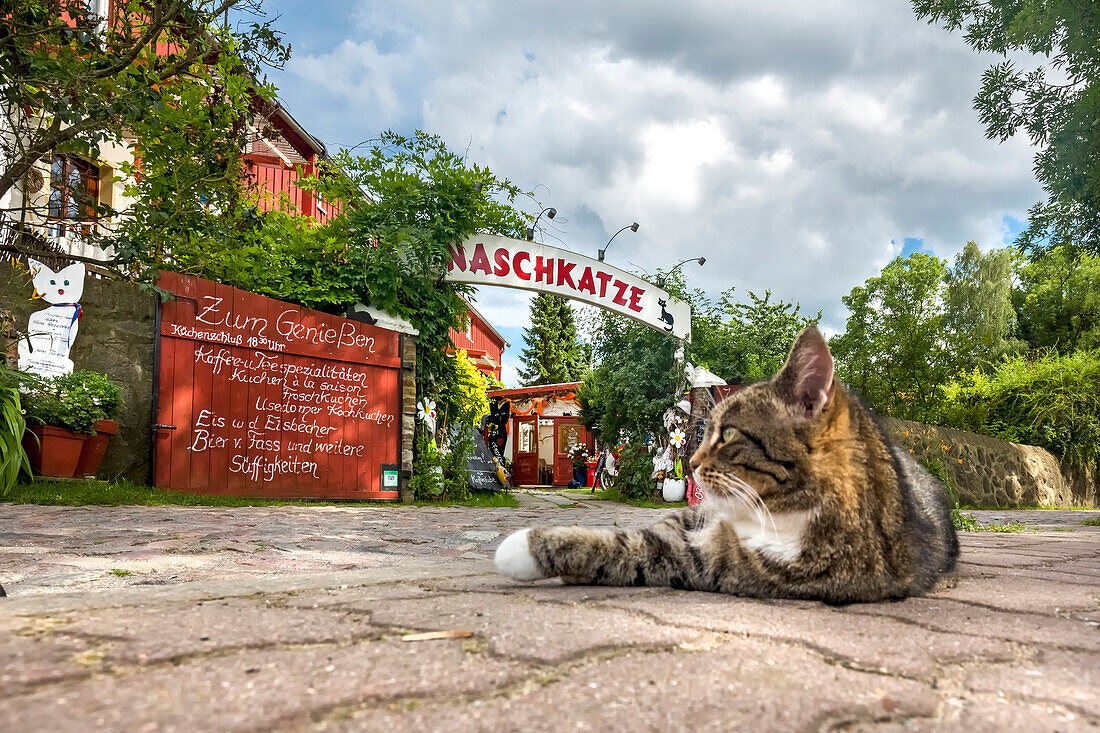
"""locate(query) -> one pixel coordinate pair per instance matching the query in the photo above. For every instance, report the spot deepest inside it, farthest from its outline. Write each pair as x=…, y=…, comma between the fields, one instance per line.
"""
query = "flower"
x=910, y=450
x=945, y=447
x=678, y=438
x=427, y=409
x=960, y=460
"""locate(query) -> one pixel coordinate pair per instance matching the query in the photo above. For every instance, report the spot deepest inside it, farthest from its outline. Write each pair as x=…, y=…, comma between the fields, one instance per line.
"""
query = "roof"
x=488, y=325
x=535, y=390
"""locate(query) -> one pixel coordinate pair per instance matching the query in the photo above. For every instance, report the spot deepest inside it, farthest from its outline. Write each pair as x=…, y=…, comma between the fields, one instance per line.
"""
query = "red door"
x=525, y=451
x=567, y=433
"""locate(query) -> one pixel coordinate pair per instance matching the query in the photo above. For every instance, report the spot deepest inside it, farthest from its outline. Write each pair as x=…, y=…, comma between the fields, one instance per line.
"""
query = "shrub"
x=73, y=401
x=13, y=458
x=1047, y=400
x=633, y=479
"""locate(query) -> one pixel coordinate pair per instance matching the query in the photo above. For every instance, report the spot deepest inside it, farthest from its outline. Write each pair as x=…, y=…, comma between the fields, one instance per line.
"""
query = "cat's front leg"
x=658, y=555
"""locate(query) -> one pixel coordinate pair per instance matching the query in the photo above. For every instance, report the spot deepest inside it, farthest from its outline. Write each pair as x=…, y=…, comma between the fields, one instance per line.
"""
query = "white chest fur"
x=776, y=536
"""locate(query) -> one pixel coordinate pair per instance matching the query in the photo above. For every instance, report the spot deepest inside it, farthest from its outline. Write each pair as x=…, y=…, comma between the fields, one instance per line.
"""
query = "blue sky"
x=799, y=146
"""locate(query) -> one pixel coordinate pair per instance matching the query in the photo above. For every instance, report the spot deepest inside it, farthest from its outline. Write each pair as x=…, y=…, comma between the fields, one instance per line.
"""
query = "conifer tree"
x=552, y=355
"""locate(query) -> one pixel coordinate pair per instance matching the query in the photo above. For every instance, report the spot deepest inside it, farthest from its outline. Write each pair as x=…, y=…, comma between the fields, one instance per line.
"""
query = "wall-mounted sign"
x=51, y=331
x=488, y=259
x=264, y=398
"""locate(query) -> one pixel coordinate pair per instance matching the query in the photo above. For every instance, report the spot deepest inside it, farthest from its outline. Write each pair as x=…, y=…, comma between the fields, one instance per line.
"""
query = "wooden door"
x=525, y=451
x=567, y=433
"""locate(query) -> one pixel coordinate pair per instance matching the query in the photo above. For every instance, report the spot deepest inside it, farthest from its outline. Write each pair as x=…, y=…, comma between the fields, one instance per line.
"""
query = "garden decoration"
x=50, y=332
x=673, y=489
x=426, y=412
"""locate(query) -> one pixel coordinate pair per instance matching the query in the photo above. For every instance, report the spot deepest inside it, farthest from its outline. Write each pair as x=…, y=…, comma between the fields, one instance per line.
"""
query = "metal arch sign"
x=489, y=259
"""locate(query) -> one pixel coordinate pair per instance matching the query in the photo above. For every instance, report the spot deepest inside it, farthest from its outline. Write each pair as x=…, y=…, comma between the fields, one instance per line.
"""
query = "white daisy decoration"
x=678, y=438
x=427, y=413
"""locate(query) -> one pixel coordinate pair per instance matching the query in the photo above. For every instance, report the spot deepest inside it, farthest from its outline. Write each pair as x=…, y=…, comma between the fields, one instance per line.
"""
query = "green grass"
x=983, y=507
x=1092, y=522
x=483, y=499
x=119, y=572
x=613, y=495
x=116, y=493
x=967, y=523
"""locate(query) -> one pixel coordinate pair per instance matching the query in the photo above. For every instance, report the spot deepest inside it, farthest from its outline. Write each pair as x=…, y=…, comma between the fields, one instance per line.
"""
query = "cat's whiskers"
x=742, y=495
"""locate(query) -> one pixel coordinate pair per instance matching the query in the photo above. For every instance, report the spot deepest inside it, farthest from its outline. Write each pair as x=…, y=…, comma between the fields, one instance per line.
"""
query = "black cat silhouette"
x=665, y=315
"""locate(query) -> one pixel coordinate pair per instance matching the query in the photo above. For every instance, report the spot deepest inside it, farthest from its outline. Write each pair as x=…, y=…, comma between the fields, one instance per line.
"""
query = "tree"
x=552, y=355
x=634, y=381
x=979, y=315
x=1058, y=301
x=166, y=76
x=893, y=349
x=760, y=334
x=1060, y=115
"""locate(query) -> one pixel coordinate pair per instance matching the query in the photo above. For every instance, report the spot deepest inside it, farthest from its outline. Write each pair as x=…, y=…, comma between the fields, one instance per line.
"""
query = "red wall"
x=481, y=340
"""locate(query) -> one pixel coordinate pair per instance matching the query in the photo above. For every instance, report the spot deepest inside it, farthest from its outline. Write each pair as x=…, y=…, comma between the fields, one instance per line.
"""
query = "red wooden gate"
x=257, y=397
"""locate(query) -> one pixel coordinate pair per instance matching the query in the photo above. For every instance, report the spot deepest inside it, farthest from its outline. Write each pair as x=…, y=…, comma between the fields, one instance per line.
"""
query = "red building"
x=482, y=343
x=274, y=164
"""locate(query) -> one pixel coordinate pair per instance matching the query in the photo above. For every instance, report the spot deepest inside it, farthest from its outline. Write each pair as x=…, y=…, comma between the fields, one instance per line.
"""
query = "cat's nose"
x=694, y=462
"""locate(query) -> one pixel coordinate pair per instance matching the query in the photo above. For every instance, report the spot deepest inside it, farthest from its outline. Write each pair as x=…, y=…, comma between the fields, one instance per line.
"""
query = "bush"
x=73, y=401
x=1046, y=400
x=633, y=479
x=13, y=458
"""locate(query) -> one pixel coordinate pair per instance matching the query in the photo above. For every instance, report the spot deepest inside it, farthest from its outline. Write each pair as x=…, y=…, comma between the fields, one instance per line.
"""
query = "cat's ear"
x=73, y=272
x=806, y=381
x=36, y=267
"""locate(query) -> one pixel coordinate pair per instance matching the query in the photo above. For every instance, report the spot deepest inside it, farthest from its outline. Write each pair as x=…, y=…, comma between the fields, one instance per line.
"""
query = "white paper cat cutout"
x=51, y=332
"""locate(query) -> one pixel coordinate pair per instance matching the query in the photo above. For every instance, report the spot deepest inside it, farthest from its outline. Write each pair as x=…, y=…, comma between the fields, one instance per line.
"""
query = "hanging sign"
x=489, y=259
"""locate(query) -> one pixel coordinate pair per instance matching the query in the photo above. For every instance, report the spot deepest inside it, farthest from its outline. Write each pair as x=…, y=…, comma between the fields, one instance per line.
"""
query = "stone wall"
x=116, y=337
x=408, y=415
x=988, y=472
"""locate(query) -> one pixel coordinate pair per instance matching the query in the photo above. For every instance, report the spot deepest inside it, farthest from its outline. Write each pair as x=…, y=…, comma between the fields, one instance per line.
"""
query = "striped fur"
x=805, y=498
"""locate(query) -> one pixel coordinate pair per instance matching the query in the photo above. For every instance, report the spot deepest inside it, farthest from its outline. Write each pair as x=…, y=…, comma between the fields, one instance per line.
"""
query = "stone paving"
x=293, y=618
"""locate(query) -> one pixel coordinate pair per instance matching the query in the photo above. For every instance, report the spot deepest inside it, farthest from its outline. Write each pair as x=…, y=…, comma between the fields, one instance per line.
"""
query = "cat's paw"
x=515, y=560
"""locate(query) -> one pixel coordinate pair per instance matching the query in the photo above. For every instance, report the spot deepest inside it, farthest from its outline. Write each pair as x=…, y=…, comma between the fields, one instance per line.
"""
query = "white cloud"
x=789, y=142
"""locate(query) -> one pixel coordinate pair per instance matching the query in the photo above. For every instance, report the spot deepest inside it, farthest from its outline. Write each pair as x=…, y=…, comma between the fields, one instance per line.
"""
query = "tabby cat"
x=805, y=498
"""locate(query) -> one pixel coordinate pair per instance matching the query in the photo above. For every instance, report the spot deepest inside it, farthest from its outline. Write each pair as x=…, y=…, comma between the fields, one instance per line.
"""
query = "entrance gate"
x=258, y=397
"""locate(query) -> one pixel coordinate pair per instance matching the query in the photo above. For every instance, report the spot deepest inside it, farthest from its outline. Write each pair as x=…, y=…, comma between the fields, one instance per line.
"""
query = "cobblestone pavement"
x=255, y=619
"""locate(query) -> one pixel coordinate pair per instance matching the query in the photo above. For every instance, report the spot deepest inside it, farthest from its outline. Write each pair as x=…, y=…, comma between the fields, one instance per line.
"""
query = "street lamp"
x=550, y=212
x=664, y=278
x=632, y=227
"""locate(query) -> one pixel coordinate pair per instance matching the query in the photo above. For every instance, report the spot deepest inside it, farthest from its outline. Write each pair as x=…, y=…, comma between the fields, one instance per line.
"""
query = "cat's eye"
x=66, y=283
x=728, y=434
x=53, y=282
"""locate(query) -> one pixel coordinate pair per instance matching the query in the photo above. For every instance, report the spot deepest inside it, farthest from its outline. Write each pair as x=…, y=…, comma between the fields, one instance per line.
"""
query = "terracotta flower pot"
x=56, y=451
x=94, y=448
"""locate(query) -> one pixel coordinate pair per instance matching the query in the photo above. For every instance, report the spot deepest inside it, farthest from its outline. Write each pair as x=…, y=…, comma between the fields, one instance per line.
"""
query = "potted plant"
x=106, y=395
x=579, y=456
x=13, y=457
x=674, y=489
x=63, y=412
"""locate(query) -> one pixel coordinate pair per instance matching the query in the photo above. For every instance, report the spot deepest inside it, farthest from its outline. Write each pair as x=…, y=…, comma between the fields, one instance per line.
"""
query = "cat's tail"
x=662, y=554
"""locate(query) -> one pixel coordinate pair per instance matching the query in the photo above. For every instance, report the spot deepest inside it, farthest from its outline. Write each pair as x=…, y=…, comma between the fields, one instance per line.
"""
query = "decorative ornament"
x=427, y=413
x=678, y=438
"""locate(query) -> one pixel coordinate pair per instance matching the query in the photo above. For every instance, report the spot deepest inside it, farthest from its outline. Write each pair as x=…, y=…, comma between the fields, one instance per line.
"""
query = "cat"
x=804, y=498
x=666, y=317
x=51, y=331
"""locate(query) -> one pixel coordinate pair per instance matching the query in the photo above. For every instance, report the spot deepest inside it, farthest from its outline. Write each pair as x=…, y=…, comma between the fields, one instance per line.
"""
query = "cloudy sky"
x=799, y=145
